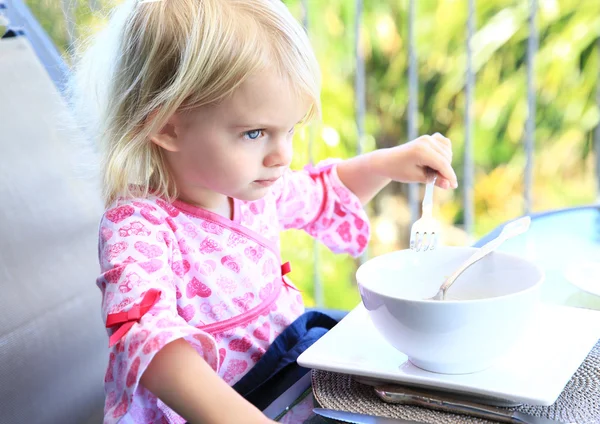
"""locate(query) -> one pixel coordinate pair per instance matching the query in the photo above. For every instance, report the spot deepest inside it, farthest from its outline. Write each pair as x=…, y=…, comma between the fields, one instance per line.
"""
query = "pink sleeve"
x=316, y=201
x=136, y=255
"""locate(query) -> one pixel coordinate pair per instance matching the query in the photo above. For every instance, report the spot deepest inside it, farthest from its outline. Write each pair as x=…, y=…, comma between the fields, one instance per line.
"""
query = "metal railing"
x=20, y=17
x=18, y=13
x=597, y=130
x=469, y=87
x=468, y=174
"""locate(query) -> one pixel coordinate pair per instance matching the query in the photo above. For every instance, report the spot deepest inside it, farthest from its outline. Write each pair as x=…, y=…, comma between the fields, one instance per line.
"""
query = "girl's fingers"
x=441, y=145
x=441, y=164
x=438, y=157
x=429, y=152
x=446, y=141
x=443, y=183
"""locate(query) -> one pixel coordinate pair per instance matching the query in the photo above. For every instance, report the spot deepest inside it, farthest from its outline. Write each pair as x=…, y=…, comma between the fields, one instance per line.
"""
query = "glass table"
x=562, y=243
x=565, y=243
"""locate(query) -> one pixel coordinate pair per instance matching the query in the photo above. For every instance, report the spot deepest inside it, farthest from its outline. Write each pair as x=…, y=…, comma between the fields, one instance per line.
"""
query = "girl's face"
x=237, y=148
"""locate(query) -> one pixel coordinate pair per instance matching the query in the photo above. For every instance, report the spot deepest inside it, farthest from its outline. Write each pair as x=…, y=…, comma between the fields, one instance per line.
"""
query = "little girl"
x=197, y=103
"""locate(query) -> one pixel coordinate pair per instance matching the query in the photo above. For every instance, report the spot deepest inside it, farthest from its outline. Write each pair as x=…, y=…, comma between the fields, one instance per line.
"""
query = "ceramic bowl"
x=486, y=311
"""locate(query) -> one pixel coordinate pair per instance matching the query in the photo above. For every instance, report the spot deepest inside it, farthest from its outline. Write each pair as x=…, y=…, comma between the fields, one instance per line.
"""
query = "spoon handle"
x=510, y=230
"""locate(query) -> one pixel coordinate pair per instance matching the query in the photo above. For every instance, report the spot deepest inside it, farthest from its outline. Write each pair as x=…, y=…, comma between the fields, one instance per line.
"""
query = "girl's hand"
x=366, y=174
x=410, y=162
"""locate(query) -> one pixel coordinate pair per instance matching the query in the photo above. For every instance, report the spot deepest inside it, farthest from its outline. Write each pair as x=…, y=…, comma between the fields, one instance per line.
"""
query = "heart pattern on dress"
x=254, y=253
x=197, y=288
x=227, y=285
x=109, y=376
x=344, y=231
x=105, y=234
x=156, y=342
x=171, y=223
x=148, y=250
x=240, y=345
x=180, y=268
x=244, y=303
x=235, y=239
x=112, y=276
x=235, y=367
x=122, y=407
x=257, y=355
x=133, y=372
x=209, y=245
x=119, y=214
x=211, y=227
x=231, y=262
x=135, y=228
x=114, y=250
x=152, y=265
x=211, y=274
x=111, y=399
x=183, y=247
x=263, y=332
x=147, y=212
x=207, y=267
x=168, y=207
x=136, y=341
x=187, y=313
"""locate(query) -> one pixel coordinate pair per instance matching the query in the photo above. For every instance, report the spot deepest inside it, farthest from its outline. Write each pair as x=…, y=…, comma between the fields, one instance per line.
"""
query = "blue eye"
x=253, y=134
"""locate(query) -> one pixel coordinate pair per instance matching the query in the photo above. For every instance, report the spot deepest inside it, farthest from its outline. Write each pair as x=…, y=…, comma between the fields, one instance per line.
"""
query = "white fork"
x=424, y=233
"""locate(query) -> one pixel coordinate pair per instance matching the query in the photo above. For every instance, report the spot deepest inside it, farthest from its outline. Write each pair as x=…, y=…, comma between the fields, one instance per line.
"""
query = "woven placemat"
x=578, y=403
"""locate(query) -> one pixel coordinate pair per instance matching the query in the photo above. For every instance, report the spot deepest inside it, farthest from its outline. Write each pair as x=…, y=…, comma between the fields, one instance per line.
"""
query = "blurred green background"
x=566, y=73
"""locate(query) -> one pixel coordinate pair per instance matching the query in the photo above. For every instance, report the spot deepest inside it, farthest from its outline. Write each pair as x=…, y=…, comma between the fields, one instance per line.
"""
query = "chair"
x=53, y=349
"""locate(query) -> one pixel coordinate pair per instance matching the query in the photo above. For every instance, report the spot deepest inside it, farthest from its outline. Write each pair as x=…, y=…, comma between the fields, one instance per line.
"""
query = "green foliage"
x=566, y=75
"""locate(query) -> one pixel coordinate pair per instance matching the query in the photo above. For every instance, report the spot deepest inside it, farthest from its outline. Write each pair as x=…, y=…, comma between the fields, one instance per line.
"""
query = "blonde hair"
x=156, y=58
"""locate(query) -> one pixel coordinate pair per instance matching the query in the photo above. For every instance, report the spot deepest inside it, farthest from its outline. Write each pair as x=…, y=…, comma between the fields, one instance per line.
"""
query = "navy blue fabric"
x=277, y=369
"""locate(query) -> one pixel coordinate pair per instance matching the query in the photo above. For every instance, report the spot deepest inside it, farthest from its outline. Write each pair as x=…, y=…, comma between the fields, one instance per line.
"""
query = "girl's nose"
x=280, y=153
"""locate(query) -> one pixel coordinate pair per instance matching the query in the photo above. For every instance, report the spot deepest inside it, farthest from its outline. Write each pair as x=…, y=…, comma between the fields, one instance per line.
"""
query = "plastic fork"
x=424, y=233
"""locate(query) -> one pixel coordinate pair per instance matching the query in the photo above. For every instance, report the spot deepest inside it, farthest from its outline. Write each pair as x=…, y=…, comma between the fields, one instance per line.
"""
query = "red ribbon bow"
x=126, y=319
x=286, y=268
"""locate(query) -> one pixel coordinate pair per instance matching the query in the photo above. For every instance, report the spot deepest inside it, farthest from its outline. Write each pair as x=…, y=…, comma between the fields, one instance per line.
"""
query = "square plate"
x=534, y=372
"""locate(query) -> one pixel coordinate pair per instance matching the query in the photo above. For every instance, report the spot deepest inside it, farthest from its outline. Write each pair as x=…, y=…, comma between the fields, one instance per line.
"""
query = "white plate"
x=585, y=275
x=535, y=372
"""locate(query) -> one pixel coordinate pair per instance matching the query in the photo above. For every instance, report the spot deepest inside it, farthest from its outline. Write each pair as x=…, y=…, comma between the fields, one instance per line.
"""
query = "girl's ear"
x=168, y=136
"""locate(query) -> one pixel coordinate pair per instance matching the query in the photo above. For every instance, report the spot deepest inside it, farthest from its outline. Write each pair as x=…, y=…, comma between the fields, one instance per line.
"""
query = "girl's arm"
x=181, y=378
x=367, y=174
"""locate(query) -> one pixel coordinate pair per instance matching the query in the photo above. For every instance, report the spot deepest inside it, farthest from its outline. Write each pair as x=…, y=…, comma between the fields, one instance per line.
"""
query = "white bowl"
x=487, y=309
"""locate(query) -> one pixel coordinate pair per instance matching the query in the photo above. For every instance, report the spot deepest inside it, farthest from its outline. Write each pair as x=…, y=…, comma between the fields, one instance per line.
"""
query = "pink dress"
x=173, y=271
